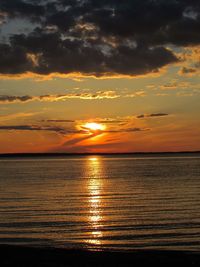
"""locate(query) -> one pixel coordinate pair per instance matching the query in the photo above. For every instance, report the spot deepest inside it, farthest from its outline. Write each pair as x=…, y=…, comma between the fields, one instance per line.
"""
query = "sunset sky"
x=99, y=75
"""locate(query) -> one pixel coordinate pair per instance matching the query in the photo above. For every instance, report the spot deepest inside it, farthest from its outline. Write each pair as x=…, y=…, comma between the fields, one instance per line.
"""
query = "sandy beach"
x=27, y=256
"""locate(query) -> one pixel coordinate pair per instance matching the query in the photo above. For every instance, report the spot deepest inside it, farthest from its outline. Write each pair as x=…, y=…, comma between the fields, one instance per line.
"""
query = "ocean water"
x=101, y=202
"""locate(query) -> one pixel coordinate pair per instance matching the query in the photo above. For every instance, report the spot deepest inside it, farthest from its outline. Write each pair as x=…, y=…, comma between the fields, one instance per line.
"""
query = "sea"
x=101, y=202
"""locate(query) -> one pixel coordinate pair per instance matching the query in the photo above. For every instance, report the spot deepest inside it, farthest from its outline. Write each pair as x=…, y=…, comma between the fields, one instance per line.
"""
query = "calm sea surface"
x=101, y=202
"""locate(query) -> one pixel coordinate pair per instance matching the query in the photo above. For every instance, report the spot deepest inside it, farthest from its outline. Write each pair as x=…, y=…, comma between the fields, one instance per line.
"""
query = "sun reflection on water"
x=95, y=204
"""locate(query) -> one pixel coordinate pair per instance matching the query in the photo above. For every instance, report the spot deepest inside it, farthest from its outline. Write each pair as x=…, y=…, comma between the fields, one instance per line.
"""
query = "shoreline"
x=17, y=255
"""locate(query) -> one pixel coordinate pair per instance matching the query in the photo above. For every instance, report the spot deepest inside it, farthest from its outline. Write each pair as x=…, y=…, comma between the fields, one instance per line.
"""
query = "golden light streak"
x=94, y=187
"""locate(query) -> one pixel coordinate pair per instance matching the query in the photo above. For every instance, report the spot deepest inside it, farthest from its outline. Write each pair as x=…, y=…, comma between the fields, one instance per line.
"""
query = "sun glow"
x=92, y=126
x=93, y=159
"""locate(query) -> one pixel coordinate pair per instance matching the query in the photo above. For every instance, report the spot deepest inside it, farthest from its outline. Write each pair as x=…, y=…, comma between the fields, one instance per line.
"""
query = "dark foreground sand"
x=24, y=257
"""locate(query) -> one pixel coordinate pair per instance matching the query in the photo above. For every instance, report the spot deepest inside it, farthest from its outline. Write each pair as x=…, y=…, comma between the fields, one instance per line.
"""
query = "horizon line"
x=92, y=153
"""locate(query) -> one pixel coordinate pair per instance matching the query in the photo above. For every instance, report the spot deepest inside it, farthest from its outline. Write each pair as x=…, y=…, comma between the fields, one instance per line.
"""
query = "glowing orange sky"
x=114, y=82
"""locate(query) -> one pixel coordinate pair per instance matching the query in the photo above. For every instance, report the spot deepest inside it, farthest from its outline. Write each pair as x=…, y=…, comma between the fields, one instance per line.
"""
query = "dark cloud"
x=50, y=53
x=186, y=70
x=49, y=128
x=67, y=121
x=13, y=59
x=127, y=130
x=19, y=8
x=110, y=121
x=31, y=128
x=9, y=98
x=152, y=115
x=98, y=37
x=157, y=22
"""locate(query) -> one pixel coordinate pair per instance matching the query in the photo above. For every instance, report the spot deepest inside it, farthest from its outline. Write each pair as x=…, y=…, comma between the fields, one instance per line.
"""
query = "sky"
x=80, y=76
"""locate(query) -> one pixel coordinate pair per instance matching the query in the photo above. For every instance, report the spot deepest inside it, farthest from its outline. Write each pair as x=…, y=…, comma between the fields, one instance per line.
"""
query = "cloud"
x=114, y=130
x=126, y=130
x=187, y=71
x=66, y=56
x=51, y=98
x=105, y=121
x=169, y=86
x=49, y=128
x=98, y=38
x=91, y=134
x=76, y=140
x=67, y=121
x=175, y=85
x=110, y=121
x=10, y=99
x=152, y=115
x=20, y=8
x=2, y=18
x=76, y=128
x=98, y=95
x=136, y=94
x=31, y=128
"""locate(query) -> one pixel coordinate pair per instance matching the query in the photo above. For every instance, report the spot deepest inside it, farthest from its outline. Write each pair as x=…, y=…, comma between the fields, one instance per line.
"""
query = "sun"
x=93, y=126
